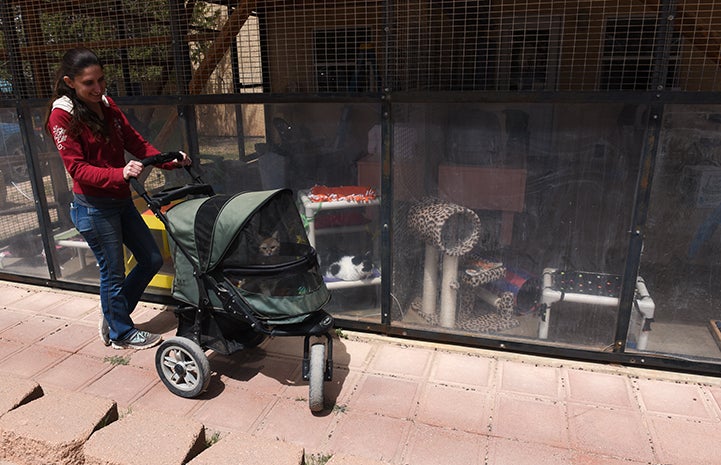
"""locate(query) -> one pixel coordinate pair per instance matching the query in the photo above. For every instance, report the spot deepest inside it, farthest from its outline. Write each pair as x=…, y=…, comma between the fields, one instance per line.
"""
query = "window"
x=345, y=60
x=628, y=54
x=529, y=60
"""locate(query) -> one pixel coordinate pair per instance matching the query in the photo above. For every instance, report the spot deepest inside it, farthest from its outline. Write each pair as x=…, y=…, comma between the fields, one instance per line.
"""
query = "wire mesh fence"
x=166, y=47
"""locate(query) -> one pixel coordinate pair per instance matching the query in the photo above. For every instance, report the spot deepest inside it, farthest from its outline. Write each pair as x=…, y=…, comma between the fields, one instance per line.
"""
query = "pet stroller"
x=231, y=295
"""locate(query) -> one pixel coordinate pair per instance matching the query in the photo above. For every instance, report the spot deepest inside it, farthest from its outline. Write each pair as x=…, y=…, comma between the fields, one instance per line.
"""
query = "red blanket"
x=347, y=193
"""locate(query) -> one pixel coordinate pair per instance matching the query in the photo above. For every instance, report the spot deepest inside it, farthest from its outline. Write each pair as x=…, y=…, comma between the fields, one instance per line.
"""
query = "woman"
x=92, y=134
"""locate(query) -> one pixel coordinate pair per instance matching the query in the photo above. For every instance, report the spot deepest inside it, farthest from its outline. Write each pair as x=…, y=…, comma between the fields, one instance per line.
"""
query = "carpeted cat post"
x=449, y=229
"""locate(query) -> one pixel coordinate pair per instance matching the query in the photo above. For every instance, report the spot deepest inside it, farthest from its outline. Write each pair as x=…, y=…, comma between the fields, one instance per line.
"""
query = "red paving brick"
x=612, y=432
x=71, y=337
x=598, y=388
x=9, y=318
x=11, y=293
x=676, y=399
x=400, y=360
x=233, y=408
x=74, y=372
x=390, y=400
x=451, y=407
x=32, y=360
x=679, y=441
x=95, y=348
x=141, y=358
x=529, y=378
x=75, y=307
x=160, y=398
x=283, y=419
x=370, y=435
x=351, y=354
x=530, y=419
x=584, y=458
x=33, y=329
x=462, y=369
x=388, y=396
x=512, y=452
x=123, y=384
x=432, y=446
x=39, y=302
x=715, y=398
x=267, y=375
x=8, y=348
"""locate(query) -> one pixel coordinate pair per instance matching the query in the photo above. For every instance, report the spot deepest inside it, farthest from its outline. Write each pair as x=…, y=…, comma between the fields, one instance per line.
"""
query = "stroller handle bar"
x=162, y=158
x=167, y=196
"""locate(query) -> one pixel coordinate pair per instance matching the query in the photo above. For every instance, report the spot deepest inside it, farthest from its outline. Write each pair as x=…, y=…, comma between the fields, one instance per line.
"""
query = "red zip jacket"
x=95, y=164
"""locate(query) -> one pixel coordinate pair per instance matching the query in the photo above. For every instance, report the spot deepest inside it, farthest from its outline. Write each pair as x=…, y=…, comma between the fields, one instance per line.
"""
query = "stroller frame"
x=181, y=361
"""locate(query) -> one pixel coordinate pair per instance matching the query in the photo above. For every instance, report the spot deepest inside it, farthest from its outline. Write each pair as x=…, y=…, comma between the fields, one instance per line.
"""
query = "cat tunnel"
x=452, y=230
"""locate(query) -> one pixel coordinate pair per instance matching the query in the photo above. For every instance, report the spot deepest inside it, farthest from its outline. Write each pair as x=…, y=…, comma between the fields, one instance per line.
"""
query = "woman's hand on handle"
x=186, y=161
x=132, y=169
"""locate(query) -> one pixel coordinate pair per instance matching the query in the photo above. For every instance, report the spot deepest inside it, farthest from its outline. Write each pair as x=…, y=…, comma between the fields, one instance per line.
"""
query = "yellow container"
x=164, y=278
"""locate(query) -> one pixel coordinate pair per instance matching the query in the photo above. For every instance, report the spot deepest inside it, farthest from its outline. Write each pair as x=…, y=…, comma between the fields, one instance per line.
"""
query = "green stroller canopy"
x=256, y=242
x=207, y=227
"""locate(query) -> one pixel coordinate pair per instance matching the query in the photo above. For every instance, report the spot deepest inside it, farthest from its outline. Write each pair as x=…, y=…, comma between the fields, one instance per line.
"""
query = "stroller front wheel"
x=183, y=367
x=316, y=376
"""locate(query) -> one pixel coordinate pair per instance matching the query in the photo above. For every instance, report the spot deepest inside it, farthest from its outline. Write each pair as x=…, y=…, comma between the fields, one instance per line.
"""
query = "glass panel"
x=21, y=245
x=680, y=261
x=230, y=139
x=500, y=210
x=321, y=152
x=75, y=262
x=301, y=156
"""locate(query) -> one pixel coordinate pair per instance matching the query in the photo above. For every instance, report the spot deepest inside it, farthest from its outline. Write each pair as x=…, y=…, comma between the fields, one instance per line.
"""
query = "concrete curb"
x=17, y=391
x=352, y=460
x=247, y=449
x=147, y=437
x=73, y=428
x=53, y=428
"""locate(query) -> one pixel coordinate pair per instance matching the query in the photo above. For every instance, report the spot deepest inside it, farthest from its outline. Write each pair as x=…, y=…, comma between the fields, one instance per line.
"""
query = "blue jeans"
x=106, y=230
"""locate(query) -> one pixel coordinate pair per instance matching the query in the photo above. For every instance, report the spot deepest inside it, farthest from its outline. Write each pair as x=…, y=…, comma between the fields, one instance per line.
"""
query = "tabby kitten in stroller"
x=269, y=245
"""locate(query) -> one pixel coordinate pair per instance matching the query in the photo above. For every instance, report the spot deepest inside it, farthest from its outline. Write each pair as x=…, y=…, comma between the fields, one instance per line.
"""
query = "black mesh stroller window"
x=271, y=254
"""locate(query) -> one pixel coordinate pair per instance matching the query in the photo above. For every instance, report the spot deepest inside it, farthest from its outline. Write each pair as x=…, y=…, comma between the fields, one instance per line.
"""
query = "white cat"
x=351, y=268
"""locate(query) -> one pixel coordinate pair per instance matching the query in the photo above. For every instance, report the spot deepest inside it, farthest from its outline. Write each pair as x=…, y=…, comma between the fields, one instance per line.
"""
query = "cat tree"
x=449, y=229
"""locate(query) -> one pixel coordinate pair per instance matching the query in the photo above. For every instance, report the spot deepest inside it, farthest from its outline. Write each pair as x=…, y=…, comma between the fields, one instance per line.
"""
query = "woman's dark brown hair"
x=74, y=62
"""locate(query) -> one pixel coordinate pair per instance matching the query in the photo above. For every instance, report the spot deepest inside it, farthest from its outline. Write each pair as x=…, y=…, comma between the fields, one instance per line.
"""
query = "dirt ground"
x=227, y=147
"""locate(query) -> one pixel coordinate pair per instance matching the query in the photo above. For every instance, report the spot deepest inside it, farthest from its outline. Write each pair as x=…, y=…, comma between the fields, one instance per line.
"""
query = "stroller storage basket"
x=222, y=332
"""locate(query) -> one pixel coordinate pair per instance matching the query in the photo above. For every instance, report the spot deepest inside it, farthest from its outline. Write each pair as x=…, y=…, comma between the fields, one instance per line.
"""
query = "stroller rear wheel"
x=183, y=367
x=316, y=376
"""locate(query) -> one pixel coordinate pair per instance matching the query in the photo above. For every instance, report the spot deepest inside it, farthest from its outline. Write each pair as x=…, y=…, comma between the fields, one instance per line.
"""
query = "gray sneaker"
x=104, y=331
x=138, y=340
